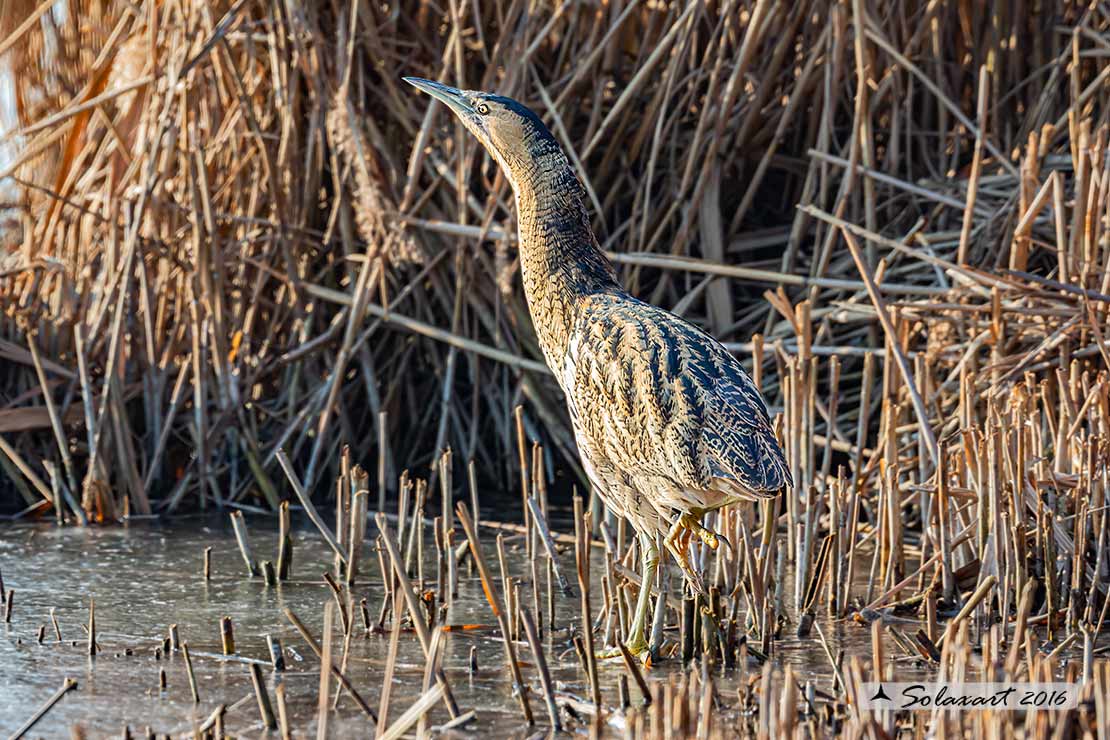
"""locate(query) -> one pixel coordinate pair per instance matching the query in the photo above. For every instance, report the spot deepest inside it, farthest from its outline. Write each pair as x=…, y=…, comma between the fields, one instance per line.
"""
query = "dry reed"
x=235, y=234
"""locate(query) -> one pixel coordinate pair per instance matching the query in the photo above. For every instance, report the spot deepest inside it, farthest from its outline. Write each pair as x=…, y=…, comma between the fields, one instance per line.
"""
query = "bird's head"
x=510, y=132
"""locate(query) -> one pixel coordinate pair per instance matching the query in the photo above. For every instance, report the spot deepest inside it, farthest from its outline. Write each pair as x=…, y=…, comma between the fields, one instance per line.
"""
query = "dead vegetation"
x=237, y=232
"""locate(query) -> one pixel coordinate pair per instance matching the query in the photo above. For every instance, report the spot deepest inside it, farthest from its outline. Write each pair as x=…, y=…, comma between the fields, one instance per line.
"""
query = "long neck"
x=559, y=257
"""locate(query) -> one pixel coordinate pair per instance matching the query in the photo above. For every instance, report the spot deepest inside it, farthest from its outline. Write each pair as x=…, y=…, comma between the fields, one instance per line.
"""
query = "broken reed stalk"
x=634, y=669
x=924, y=427
x=91, y=648
x=540, y=522
x=265, y=710
x=413, y=603
x=277, y=657
x=415, y=712
x=240, y=528
x=496, y=605
x=383, y=456
x=980, y=593
x=337, y=595
x=67, y=685
x=582, y=560
x=227, y=636
x=285, y=543
x=283, y=712
x=431, y=668
x=318, y=652
x=541, y=666
x=309, y=509
x=214, y=723
x=189, y=670
x=326, y=666
x=357, y=531
x=522, y=453
x=390, y=662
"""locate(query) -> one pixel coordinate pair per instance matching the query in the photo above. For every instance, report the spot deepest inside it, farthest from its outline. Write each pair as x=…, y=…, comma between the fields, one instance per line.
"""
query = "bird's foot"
x=697, y=583
x=637, y=648
x=712, y=539
x=677, y=543
x=608, y=653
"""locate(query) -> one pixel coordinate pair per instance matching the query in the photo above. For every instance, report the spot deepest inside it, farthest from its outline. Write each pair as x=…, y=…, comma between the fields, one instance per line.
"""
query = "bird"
x=667, y=423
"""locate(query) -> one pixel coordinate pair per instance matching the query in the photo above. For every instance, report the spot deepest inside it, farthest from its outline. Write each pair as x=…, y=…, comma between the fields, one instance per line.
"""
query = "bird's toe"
x=697, y=583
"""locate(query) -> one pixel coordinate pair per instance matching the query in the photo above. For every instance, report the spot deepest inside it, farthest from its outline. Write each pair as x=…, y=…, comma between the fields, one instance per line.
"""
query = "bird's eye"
x=482, y=109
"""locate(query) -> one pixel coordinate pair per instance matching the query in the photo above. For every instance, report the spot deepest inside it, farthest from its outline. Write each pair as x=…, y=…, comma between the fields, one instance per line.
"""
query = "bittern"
x=668, y=424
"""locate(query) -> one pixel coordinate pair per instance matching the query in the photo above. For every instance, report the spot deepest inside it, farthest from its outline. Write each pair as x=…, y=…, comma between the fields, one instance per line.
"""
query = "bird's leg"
x=677, y=543
x=636, y=642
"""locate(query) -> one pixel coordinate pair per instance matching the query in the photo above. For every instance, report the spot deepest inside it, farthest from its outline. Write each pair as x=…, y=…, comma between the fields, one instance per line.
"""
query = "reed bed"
x=235, y=232
x=238, y=243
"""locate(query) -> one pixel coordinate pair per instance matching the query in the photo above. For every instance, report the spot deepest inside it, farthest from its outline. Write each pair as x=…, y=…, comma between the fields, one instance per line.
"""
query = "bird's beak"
x=451, y=97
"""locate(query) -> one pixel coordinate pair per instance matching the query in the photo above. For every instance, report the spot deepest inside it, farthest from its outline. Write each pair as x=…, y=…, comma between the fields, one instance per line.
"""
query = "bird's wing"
x=658, y=397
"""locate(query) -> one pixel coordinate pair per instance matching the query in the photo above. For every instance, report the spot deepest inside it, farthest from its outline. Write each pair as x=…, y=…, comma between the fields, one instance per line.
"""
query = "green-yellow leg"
x=636, y=641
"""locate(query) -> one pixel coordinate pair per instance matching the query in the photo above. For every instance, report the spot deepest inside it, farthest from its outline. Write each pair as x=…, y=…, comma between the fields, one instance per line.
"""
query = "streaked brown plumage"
x=668, y=424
